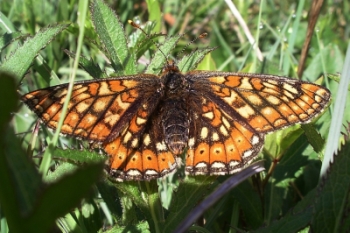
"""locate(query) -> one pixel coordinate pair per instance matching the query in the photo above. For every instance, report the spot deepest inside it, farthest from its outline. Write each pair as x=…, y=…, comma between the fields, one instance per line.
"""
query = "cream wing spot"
x=245, y=84
x=223, y=130
x=140, y=120
x=232, y=98
x=247, y=153
x=246, y=111
x=82, y=107
x=204, y=133
x=121, y=104
x=146, y=139
x=215, y=137
x=288, y=94
x=255, y=140
x=135, y=143
x=273, y=100
x=104, y=89
x=209, y=115
x=127, y=137
x=290, y=88
x=225, y=122
x=191, y=142
x=161, y=146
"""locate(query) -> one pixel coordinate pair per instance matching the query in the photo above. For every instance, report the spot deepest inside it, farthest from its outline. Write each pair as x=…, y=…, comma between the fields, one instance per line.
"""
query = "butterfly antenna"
x=201, y=36
x=137, y=26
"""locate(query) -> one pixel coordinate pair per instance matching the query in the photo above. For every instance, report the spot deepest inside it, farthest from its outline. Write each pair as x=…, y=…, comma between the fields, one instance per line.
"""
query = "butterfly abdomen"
x=174, y=111
x=175, y=125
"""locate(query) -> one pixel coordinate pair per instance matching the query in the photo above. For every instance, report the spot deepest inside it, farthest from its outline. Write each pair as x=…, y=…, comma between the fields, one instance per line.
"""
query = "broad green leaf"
x=250, y=203
x=89, y=66
x=189, y=193
x=155, y=15
x=8, y=38
x=189, y=62
x=69, y=190
x=19, y=62
x=78, y=156
x=314, y=137
x=19, y=181
x=112, y=35
x=333, y=193
x=161, y=55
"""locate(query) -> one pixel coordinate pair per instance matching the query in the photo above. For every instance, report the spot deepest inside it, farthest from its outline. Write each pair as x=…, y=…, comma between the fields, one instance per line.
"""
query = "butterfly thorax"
x=174, y=110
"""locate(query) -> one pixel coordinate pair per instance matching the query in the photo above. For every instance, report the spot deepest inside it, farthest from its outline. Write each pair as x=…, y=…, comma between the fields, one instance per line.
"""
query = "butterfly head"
x=170, y=67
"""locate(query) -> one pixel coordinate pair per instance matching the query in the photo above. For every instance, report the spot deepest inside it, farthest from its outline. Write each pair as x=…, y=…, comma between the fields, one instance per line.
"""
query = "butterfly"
x=145, y=122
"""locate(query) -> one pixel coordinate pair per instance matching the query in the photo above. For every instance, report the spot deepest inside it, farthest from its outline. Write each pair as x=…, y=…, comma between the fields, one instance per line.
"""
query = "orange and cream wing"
x=146, y=158
x=268, y=102
x=234, y=111
x=98, y=109
x=219, y=144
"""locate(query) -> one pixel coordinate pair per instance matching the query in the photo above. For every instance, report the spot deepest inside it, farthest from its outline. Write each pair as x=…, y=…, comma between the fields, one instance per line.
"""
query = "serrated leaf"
x=190, y=61
x=89, y=66
x=333, y=193
x=141, y=198
x=19, y=62
x=78, y=156
x=314, y=138
x=112, y=35
x=8, y=38
x=159, y=57
x=143, y=45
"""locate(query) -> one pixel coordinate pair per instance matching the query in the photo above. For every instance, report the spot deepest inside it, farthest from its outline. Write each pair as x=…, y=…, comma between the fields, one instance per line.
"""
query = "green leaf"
x=143, y=197
x=160, y=57
x=295, y=220
x=8, y=38
x=190, y=61
x=69, y=190
x=112, y=35
x=333, y=193
x=314, y=137
x=19, y=181
x=19, y=62
x=155, y=15
x=250, y=203
x=89, y=66
x=189, y=193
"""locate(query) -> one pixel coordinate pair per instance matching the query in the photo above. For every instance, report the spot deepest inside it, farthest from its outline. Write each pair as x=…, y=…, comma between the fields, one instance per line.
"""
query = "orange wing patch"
x=94, y=109
x=269, y=103
x=220, y=145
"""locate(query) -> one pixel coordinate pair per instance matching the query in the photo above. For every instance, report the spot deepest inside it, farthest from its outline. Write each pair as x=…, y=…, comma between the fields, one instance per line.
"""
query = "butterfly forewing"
x=97, y=109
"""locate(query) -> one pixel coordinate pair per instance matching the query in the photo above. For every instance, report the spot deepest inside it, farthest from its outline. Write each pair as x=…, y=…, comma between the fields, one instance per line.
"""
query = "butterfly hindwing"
x=142, y=154
x=218, y=144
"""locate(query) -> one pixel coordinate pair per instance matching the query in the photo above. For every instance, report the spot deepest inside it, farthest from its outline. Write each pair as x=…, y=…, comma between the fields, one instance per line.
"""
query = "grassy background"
x=280, y=27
